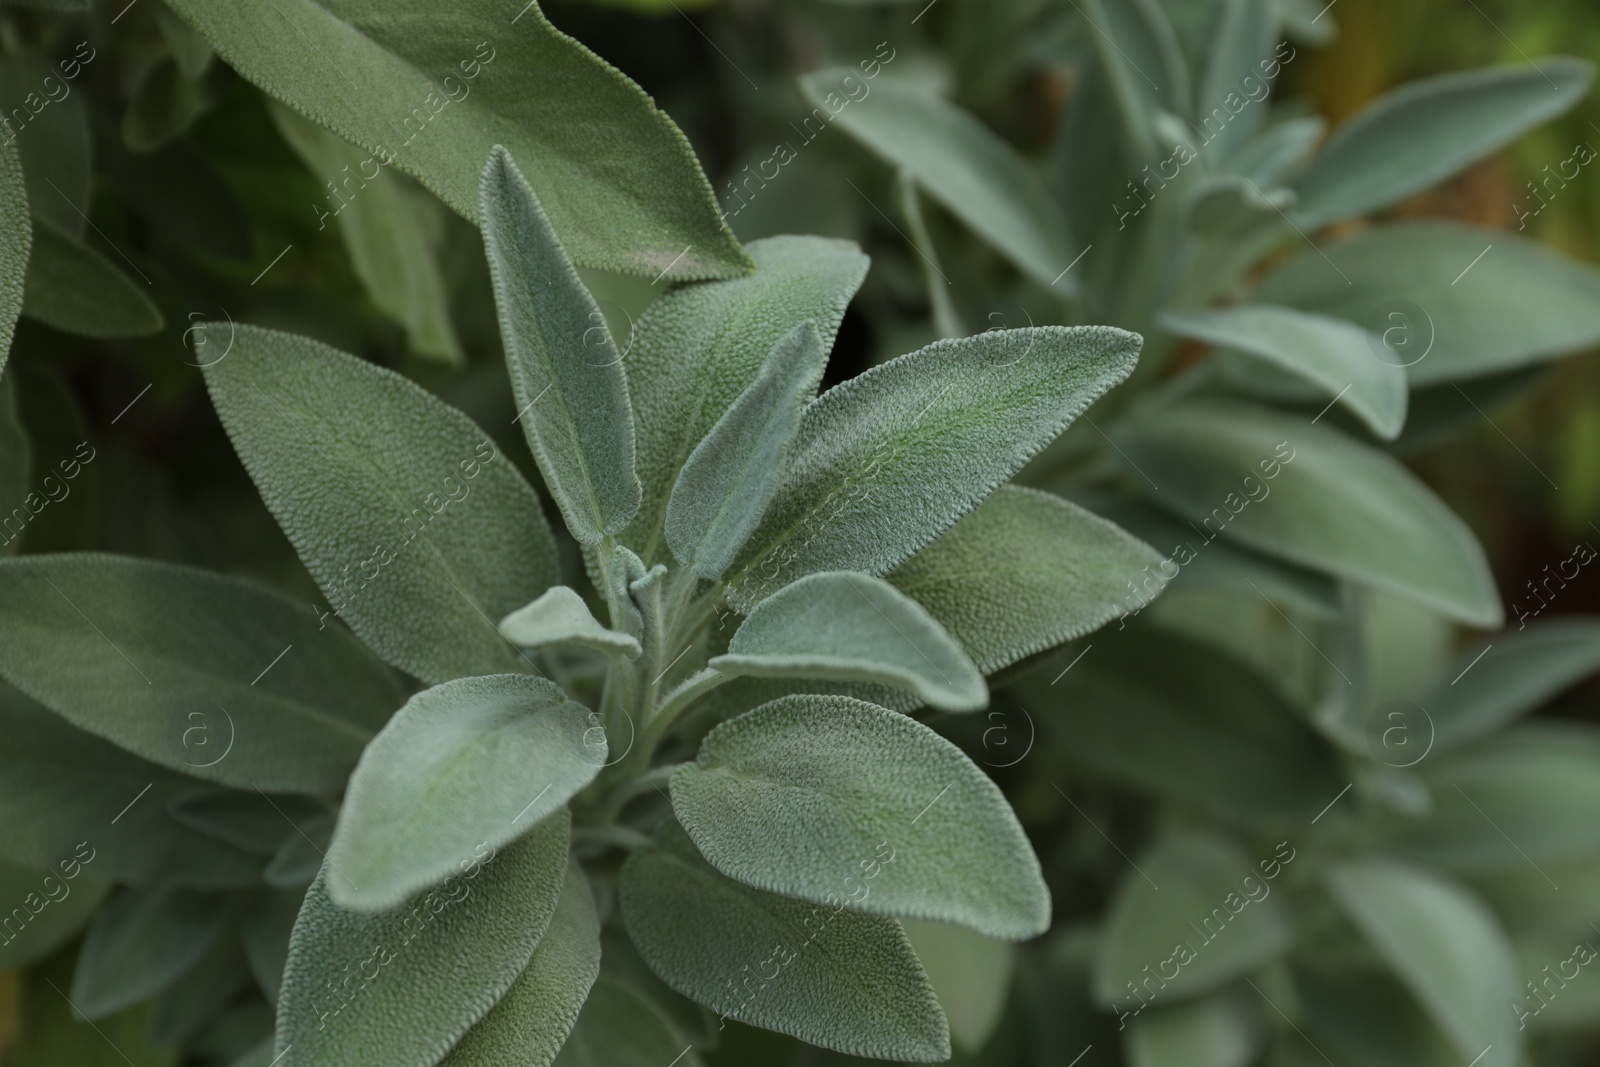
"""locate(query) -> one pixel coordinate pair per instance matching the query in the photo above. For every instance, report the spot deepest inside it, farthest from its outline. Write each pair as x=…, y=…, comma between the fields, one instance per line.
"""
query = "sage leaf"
x=1513, y=675
x=143, y=941
x=1220, y=1030
x=619, y=177
x=75, y=289
x=201, y=994
x=887, y=461
x=971, y=975
x=700, y=346
x=264, y=931
x=530, y=1023
x=467, y=765
x=725, y=484
x=1429, y=129
x=566, y=372
x=842, y=980
x=560, y=617
x=16, y=237
x=251, y=820
x=362, y=987
x=203, y=674
x=57, y=906
x=419, y=549
x=854, y=627
x=829, y=798
x=621, y=1027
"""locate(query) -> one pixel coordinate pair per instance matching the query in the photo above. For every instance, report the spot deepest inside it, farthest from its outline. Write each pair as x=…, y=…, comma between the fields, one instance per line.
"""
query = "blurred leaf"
x=264, y=931
x=54, y=907
x=201, y=993
x=179, y=193
x=165, y=103
x=620, y=1027
x=53, y=141
x=190, y=50
x=1144, y=64
x=1220, y=1030
x=55, y=1036
x=247, y=819
x=1512, y=676
x=75, y=289
x=971, y=975
x=142, y=942
x=1243, y=38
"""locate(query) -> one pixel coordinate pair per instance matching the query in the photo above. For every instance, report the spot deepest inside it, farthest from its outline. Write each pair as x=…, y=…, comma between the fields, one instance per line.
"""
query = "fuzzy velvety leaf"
x=1332, y=503
x=616, y=174
x=826, y=798
x=961, y=163
x=887, y=461
x=620, y=1027
x=842, y=980
x=75, y=289
x=700, y=346
x=56, y=907
x=1023, y=572
x=1429, y=129
x=852, y=627
x=725, y=484
x=366, y=988
x=141, y=942
x=471, y=763
x=1516, y=673
x=566, y=373
x=530, y=1023
x=203, y=674
x=560, y=617
x=420, y=547
x=971, y=974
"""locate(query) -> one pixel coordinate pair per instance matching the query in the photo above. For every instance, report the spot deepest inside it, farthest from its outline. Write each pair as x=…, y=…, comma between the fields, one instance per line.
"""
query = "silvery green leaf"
x=1427, y=130
x=1332, y=504
x=620, y=1027
x=889, y=460
x=971, y=974
x=1023, y=572
x=1513, y=675
x=566, y=372
x=57, y=907
x=853, y=627
x=560, y=617
x=364, y=988
x=16, y=237
x=842, y=980
x=532, y=1021
x=431, y=90
x=1445, y=945
x=464, y=766
x=73, y=288
x=1219, y=1030
x=700, y=346
x=206, y=675
x=143, y=941
x=421, y=548
x=822, y=797
x=960, y=162
x=1273, y=153
x=725, y=484
x=1242, y=38
x=1333, y=355
x=1144, y=64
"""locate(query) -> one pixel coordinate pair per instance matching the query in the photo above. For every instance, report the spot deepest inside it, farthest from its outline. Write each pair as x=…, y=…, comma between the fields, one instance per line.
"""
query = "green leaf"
x=75, y=289
x=207, y=675
x=726, y=482
x=390, y=231
x=62, y=791
x=887, y=461
x=416, y=562
x=1243, y=38
x=1222, y=1030
x=557, y=343
x=1443, y=312
x=1194, y=915
x=469, y=764
x=697, y=349
x=143, y=941
x=1512, y=676
x=264, y=931
x=16, y=458
x=54, y=144
x=971, y=974
x=828, y=798
x=853, y=627
x=1144, y=65
x=1329, y=353
x=46, y=910
x=1021, y=573
x=201, y=994
x=300, y=857
x=960, y=162
x=364, y=988
x=530, y=1023
x=251, y=820
x=842, y=980
x=164, y=104
x=618, y=177
x=1429, y=129
x=1444, y=944
x=560, y=617
x=620, y=1027
x=16, y=237
x=1364, y=1015
x=1329, y=503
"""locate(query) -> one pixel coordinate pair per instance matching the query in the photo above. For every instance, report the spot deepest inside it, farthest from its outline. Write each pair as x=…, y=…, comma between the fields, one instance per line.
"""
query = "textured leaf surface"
x=1443, y=316
x=808, y=796
x=852, y=627
x=1330, y=353
x=961, y=163
x=1334, y=505
x=431, y=91
x=1515, y=674
x=529, y=1025
x=700, y=346
x=473, y=762
x=141, y=942
x=566, y=372
x=75, y=289
x=207, y=675
x=971, y=974
x=725, y=485
x=1427, y=130
x=560, y=617
x=842, y=980
x=620, y=1027
x=56, y=906
x=418, y=548
x=1445, y=945
x=887, y=461
x=1023, y=572
x=403, y=986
